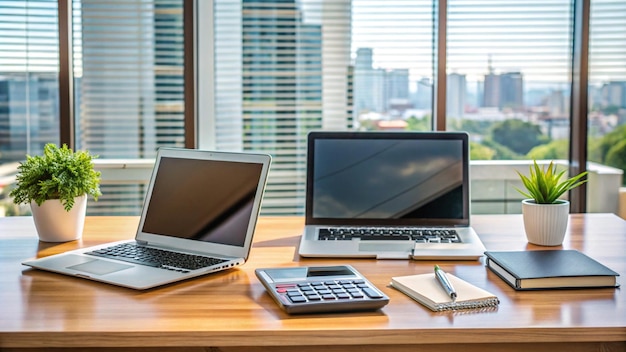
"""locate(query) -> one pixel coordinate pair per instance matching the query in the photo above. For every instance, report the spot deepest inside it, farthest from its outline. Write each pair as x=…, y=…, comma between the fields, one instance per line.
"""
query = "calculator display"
x=303, y=273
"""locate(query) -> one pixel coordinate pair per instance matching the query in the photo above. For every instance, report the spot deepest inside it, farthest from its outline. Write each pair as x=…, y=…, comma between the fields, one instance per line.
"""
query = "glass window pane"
x=607, y=84
x=128, y=82
x=29, y=94
x=509, y=77
x=392, y=50
x=283, y=68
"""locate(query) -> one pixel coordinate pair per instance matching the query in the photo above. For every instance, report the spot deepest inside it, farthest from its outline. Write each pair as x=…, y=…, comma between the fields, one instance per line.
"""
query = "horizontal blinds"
x=392, y=53
x=607, y=42
x=528, y=36
x=28, y=36
x=29, y=60
x=509, y=75
x=128, y=68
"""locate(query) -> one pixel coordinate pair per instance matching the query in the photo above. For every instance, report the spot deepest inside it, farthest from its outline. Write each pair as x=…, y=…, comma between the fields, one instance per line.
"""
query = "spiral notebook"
x=425, y=289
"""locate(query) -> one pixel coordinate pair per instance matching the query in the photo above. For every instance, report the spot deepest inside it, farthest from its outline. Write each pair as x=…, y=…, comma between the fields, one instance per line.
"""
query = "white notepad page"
x=426, y=289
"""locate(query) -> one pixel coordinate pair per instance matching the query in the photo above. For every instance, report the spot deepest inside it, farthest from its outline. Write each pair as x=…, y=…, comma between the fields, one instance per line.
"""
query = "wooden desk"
x=231, y=311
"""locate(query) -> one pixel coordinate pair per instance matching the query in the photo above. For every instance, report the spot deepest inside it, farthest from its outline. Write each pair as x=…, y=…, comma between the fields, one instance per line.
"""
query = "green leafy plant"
x=60, y=174
x=544, y=185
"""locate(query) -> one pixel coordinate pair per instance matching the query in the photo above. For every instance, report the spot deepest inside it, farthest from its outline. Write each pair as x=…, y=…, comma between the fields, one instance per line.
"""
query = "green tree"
x=616, y=157
x=518, y=135
x=480, y=127
x=481, y=152
x=558, y=149
x=609, y=140
x=419, y=124
x=501, y=151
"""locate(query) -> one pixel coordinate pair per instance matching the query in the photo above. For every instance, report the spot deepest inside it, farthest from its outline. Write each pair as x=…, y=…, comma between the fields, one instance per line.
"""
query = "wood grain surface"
x=230, y=311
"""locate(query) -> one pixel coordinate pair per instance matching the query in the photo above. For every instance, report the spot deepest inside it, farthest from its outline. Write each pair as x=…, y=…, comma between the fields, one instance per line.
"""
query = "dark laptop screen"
x=205, y=200
x=401, y=178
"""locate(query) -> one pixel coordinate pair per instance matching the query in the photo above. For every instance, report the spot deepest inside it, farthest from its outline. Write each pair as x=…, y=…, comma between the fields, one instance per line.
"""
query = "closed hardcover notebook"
x=545, y=269
x=426, y=289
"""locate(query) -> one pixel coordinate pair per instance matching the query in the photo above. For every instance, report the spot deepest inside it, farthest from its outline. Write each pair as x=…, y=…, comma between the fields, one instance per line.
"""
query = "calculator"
x=318, y=289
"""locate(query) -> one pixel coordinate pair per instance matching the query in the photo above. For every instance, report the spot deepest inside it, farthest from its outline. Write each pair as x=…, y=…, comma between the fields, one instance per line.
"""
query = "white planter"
x=55, y=224
x=545, y=224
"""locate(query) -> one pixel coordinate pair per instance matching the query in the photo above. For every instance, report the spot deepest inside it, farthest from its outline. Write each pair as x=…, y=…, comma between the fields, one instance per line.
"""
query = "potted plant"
x=56, y=185
x=545, y=214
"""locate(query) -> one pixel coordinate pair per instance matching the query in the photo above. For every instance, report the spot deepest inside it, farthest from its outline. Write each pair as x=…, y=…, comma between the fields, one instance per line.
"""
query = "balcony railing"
x=493, y=187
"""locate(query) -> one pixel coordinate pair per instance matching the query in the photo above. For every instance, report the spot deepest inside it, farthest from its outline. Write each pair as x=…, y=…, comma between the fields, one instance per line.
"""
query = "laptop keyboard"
x=158, y=258
x=387, y=234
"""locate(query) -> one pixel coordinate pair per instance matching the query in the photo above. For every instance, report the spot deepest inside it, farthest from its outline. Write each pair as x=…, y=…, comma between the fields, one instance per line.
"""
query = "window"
x=128, y=76
x=29, y=94
x=607, y=84
x=29, y=57
x=128, y=87
x=270, y=71
x=509, y=76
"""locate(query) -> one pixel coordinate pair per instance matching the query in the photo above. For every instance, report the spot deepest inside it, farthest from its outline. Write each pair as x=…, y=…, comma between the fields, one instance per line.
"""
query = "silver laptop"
x=388, y=195
x=199, y=216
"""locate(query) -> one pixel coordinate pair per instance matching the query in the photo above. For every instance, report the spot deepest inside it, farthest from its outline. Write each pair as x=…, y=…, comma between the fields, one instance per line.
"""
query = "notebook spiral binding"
x=491, y=302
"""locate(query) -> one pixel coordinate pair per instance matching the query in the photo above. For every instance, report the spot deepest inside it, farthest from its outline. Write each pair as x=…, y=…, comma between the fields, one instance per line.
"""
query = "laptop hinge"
x=142, y=242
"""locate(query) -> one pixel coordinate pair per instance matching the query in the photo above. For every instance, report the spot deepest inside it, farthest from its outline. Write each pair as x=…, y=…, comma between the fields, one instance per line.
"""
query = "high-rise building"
x=130, y=87
x=423, y=94
x=456, y=91
x=131, y=77
x=396, y=88
x=369, y=83
x=512, y=91
x=614, y=94
x=277, y=77
x=491, y=91
x=29, y=110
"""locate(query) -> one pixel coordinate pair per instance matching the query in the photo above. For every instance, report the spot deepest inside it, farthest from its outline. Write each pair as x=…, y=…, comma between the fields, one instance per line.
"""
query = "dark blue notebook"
x=546, y=269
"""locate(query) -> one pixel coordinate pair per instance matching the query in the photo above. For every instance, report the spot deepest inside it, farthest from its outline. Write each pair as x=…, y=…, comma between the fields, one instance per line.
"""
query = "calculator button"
x=297, y=299
x=328, y=297
x=371, y=293
x=343, y=295
x=314, y=298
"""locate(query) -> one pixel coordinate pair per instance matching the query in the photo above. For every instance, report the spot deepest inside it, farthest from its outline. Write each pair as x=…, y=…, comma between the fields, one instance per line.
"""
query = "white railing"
x=492, y=185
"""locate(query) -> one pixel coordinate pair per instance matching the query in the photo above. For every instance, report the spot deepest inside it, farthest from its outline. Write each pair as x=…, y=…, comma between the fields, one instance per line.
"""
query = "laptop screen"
x=204, y=200
x=388, y=178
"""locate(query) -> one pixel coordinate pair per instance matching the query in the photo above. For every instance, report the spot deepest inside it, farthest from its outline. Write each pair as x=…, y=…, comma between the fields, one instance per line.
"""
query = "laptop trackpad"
x=375, y=246
x=99, y=267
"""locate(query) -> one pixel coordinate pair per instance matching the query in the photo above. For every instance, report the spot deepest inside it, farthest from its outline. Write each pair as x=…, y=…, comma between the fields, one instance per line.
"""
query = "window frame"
x=578, y=101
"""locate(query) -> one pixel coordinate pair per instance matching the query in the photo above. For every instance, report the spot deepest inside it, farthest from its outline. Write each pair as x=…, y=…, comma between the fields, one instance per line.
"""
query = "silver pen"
x=445, y=283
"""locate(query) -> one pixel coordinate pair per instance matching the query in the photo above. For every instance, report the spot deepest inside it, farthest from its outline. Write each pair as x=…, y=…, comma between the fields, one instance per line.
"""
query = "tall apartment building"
x=504, y=91
x=278, y=74
x=29, y=108
x=512, y=90
x=131, y=84
x=368, y=84
x=456, y=92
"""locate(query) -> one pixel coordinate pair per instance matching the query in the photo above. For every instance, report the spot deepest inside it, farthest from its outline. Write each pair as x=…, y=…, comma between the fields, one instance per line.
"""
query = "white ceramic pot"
x=55, y=224
x=545, y=224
